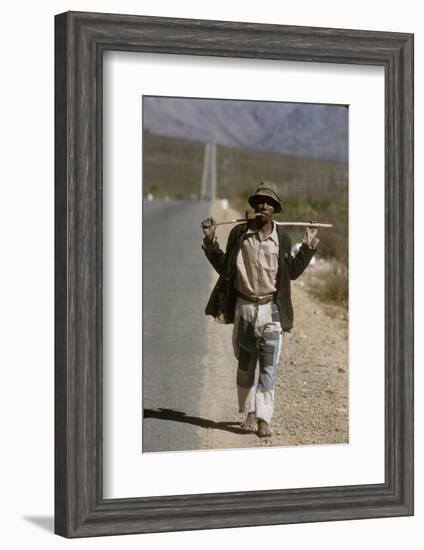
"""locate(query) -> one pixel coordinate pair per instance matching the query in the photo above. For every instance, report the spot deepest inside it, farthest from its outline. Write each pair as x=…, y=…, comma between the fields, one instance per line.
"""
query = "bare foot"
x=264, y=430
x=250, y=423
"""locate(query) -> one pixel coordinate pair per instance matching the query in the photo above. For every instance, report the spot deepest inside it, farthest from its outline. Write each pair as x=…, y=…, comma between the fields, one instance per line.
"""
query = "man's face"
x=263, y=206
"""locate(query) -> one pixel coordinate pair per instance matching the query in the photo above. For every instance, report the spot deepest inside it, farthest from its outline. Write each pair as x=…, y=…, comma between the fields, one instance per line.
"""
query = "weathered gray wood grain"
x=80, y=509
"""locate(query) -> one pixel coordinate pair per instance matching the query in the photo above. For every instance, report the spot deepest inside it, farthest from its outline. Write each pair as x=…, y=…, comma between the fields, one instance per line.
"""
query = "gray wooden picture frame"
x=80, y=40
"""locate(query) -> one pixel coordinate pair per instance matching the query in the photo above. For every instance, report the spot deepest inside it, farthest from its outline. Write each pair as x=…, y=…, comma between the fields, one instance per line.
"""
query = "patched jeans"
x=257, y=335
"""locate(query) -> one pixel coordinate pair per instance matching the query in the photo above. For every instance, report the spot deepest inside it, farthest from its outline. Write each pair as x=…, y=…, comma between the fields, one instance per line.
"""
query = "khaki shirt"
x=257, y=264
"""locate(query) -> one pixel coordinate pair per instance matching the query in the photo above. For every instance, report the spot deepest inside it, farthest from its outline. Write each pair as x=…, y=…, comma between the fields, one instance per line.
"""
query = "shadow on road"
x=179, y=416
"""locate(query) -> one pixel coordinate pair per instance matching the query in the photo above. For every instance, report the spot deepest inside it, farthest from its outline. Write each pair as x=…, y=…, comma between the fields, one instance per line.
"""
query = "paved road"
x=208, y=185
x=176, y=279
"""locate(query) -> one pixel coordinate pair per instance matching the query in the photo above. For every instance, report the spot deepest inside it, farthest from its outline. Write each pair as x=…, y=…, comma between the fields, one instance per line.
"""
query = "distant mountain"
x=308, y=130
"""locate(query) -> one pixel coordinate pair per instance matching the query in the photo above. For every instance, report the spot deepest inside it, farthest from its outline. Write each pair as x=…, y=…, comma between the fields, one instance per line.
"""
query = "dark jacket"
x=222, y=301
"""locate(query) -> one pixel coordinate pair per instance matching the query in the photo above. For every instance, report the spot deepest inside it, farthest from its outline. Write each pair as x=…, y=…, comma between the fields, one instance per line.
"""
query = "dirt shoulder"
x=311, y=391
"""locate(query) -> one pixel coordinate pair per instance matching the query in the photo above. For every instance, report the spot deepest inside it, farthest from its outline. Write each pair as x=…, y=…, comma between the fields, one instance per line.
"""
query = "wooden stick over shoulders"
x=304, y=224
x=286, y=224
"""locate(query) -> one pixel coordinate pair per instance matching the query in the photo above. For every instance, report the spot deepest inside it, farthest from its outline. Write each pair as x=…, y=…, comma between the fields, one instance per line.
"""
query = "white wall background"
x=27, y=275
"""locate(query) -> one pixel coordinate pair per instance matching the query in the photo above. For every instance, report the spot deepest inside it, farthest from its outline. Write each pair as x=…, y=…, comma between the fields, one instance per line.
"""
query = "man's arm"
x=211, y=247
x=214, y=254
x=300, y=262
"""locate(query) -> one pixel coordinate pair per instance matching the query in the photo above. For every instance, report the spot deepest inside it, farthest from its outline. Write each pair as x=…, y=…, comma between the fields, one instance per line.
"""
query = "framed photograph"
x=233, y=274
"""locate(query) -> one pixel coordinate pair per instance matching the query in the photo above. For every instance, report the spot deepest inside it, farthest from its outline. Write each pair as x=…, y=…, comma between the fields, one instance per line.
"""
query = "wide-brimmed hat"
x=266, y=189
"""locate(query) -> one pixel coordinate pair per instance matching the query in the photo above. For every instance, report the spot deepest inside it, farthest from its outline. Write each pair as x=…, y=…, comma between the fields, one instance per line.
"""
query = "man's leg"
x=246, y=388
x=269, y=355
x=247, y=360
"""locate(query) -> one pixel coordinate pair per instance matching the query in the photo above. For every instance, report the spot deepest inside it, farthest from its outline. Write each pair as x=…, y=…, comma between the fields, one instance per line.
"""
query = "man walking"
x=253, y=293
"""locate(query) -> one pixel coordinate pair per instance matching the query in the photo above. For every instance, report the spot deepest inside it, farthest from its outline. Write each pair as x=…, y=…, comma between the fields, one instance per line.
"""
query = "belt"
x=260, y=301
